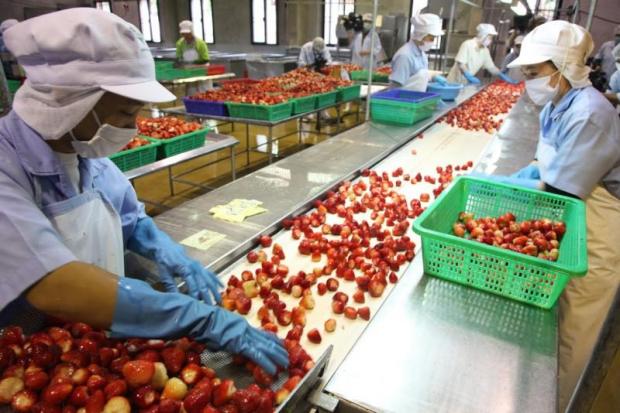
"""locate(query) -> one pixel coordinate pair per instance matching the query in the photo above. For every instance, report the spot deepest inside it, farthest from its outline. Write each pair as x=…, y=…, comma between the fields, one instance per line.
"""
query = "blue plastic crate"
x=205, y=107
x=448, y=91
x=405, y=96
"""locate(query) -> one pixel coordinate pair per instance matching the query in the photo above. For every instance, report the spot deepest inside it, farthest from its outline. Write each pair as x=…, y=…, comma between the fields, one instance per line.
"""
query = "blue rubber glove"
x=172, y=261
x=529, y=172
x=511, y=180
x=507, y=78
x=440, y=79
x=145, y=313
x=471, y=78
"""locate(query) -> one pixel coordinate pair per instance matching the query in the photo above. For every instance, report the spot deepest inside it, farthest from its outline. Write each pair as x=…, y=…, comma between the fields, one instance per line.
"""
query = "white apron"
x=585, y=302
x=190, y=55
x=417, y=82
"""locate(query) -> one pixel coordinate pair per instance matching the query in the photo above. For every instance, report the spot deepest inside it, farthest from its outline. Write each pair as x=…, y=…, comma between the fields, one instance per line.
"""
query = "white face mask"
x=487, y=41
x=540, y=91
x=107, y=140
x=426, y=46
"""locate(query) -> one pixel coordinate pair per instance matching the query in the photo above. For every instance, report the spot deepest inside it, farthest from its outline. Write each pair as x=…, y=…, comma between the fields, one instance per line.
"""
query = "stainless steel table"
x=213, y=143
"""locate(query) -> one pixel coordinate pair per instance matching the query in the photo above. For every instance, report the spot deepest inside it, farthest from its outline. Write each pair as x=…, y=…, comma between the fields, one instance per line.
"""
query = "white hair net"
x=425, y=24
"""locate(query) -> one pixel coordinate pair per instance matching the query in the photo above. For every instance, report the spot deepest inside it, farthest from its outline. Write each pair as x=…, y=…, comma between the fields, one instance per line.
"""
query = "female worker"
x=191, y=49
x=360, y=48
x=613, y=91
x=68, y=213
x=410, y=63
x=579, y=156
x=474, y=55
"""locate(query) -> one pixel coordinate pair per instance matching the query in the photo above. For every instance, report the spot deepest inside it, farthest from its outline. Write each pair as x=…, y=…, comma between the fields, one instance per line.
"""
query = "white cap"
x=318, y=44
x=6, y=24
x=518, y=40
x=70, y=58
x=484, y=30
x=566, y=44
x=186, y=26
x=425, y=24
x=367, y=17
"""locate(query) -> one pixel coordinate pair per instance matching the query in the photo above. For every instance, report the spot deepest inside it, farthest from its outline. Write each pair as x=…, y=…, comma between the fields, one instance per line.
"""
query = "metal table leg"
x=270, y=143
x=170, y=182
x=247, y=144
x=337, y=119
x=233, y=172
x=299, y=132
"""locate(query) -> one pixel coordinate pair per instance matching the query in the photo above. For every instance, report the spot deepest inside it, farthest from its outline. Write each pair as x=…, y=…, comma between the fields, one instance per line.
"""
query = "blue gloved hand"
x=440, y=79
x=507, y=78
x=172, y=261
x=471, y=78
x=145, y=313
x=529, y=172
x=511, y=180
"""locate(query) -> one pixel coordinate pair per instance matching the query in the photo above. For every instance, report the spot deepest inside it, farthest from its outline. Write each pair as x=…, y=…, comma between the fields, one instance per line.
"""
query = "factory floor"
x=154, y=190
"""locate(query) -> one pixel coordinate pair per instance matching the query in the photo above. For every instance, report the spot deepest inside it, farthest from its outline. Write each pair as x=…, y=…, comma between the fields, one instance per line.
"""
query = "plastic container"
x=215, y=70
x=137, y=157
x=303, y=104
x=402, y=107
x=326, y=99
x=271, y=113
x=362, y=75
x=180, y=144
x=242, y=81
x=13, y=85
x=448, y=91
x=171, y=74
x=347, y=93
x=507, y=273
x=205, y=107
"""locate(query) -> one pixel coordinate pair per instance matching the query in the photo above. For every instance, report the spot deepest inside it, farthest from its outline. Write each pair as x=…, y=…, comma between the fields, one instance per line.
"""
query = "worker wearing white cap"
x=360, y=48
x=579, y=156
x=314, y=54
x=613, y=91
x=605, y=55
x=474, y=55
x=410, y=63
x=68, y=213
x=191, y=49
x=514, y=53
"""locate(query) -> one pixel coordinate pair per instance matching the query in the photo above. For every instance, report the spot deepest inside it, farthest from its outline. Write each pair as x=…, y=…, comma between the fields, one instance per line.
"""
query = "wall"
x=606, y=18
x=20, y=9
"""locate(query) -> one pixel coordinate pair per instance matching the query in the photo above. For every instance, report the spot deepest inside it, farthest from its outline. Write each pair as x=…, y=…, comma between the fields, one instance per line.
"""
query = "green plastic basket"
x=303, y=104
x=347, y=93
x=180, y=144
x=401, y=113
x=137, y=157
x=173, y=73
x=362, y=75
x=507, y=273
x=269, y=113
x=326, y=99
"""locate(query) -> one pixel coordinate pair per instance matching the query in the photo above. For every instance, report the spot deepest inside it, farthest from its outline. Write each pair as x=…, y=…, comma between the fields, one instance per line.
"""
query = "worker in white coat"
x=613, y=90
x=474, y=55
x=578, y=156
x=360, y=48
x=410, y=63
x=69, y=214
x=314, y=55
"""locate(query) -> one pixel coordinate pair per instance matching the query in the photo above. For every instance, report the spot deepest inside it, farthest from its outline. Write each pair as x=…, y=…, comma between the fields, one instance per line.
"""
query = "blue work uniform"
x=33, y=184
x=614, y=82
x=407, y=61
x=584, y=130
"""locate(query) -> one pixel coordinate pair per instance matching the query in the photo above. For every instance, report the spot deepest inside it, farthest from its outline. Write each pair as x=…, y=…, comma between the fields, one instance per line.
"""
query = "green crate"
x=137, y=157
x=507, y=273
x=303, y=104
x=326, y=99
x=347, y=93
x=401, y=113
x=362, y=75
x=180, y=144
x=269, y=113
x=174, y=73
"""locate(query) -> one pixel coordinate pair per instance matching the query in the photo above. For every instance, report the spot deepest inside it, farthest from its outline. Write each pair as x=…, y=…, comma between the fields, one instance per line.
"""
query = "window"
x=103, y=5
x=332, y=9
x=202, y=18
x=149, y=20
x=264, y=22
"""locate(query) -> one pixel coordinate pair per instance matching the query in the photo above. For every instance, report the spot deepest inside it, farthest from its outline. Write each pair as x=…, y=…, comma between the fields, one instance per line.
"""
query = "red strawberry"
x=138, y=372
x=174, y=359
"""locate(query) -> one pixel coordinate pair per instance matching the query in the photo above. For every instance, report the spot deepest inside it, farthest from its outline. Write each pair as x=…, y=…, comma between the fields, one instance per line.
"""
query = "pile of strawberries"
x=384, y=70
x=165, y=127
x=76, y=368
x=135, y=142
x=277, y=89
x=537, y=238
x=478, y=112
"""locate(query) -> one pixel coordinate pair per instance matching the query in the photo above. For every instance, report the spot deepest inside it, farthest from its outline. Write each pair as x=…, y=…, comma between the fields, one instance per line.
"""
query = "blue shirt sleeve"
x=35, y=248
x=614, y=82
x=588, y=149
x=117, y=188
x=400, y=69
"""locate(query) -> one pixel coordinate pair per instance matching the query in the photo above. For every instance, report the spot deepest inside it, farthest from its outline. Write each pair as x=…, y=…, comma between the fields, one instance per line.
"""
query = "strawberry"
x=138, y=372
x=197, y=399
x=174, y=359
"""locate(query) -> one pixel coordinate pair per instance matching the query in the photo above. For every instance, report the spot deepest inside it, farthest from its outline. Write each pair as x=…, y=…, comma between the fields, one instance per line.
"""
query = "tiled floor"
x=155, y=187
